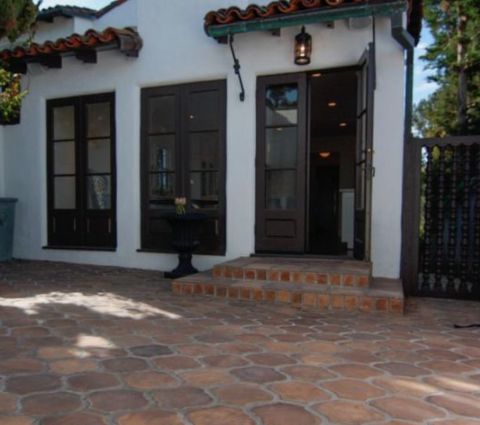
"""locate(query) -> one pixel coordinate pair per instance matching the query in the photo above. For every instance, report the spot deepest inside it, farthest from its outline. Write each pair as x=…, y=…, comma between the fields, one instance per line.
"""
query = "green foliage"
x=10, y=97
x=17, y=17
x=454, y=56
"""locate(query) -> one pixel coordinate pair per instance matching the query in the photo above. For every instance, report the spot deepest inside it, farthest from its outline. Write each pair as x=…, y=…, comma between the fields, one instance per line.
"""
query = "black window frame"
x=161, y=242
x=83, y=228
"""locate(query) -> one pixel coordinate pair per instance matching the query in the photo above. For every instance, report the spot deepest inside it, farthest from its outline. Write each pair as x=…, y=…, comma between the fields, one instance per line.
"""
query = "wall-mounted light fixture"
x=303, y=48
x=325, y=155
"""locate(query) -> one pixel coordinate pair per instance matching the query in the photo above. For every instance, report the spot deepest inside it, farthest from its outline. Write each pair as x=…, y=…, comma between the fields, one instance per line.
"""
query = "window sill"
x=79, y=248
x=195, y=253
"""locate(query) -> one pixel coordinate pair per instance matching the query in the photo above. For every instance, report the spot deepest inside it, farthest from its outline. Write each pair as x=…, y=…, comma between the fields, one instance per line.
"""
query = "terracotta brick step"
x=383, y=296
x=296, y=270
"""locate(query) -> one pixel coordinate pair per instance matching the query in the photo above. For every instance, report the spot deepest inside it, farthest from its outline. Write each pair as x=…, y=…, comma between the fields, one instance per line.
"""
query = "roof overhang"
x=279, y=15
x=70, y=12
x=83, y=47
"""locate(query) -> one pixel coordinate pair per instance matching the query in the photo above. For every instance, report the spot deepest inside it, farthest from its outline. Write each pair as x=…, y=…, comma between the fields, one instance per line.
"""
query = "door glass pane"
x=64, y=191
x=162, y=185
x=98, y=119
x=204, y=151
x=161, y=117
x=162, y=153
x=282, y=104
x=204, y=113
x=281, y=147
x=99, y=156
x=281, y=190
x=99, y=192
x=204, y=186
x=64, y=123
x=64, y=157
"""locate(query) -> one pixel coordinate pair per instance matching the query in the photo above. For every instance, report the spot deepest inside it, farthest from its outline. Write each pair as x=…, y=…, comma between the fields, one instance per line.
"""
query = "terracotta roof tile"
x=127, y=39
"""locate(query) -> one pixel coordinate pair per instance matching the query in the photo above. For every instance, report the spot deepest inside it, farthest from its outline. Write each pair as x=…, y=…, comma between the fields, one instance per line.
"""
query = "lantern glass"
x=303, y=48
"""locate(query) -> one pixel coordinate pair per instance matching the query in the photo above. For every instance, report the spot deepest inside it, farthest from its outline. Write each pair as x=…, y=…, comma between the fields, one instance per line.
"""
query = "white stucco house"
x=298, y=153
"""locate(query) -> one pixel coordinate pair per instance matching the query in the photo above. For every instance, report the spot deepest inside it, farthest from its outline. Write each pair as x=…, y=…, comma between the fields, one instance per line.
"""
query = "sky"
x=422, y=87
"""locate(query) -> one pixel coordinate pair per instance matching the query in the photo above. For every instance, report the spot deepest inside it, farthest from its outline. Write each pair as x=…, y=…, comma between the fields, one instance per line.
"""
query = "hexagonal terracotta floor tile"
x=74, y=419
x=285, y=414
x=90, y=381
x=302, y=392
x=408, y=409
x=352, y=389
x=149, y=417
x=115, y=400
x=461, y=404
x=182, y=397
x=241, y=394
x=258, y=374
x=342, y=412
x=219, y=416
x=50, y=403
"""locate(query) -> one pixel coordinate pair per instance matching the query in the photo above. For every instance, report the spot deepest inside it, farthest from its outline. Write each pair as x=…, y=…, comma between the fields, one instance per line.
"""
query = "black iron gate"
x=441, y=249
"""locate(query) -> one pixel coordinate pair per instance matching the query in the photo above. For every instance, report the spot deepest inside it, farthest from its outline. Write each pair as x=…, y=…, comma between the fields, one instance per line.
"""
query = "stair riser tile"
x=299, y=299
x=292, y=276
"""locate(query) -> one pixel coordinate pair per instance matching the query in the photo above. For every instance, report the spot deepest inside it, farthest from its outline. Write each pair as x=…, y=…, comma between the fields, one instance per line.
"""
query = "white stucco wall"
x=176, y=50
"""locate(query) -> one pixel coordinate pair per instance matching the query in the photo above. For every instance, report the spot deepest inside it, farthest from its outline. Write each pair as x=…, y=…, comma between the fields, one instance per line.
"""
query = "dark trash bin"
x=7, y=221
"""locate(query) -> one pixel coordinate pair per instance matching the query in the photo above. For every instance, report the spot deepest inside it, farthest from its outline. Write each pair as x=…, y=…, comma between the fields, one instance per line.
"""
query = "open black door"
x=364, y=162
x=280, y=163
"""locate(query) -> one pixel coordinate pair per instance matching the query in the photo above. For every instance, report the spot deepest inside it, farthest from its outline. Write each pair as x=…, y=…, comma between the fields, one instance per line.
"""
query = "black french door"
x=364, y=162
x=183, y=154
x=281, y=163
x=81, y=171
x=282, y=170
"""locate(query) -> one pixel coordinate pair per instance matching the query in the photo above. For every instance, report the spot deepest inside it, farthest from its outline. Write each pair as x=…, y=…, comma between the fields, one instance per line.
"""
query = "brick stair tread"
x=301, y=264
x=381, y=288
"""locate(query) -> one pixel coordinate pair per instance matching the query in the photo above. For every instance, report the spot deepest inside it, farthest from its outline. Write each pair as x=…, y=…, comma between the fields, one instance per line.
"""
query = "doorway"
x=332, y=140
x=313, y=162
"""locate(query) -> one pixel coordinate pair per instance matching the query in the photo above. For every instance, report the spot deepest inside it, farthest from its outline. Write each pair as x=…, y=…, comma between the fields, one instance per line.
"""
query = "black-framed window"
x=81, y=172
x=183, y=153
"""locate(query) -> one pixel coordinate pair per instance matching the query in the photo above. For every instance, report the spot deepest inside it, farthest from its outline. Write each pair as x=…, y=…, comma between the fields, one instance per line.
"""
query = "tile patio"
x=83, y=345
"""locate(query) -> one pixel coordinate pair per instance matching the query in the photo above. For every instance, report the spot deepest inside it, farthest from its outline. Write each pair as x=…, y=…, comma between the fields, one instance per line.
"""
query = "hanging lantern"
x=303, y=48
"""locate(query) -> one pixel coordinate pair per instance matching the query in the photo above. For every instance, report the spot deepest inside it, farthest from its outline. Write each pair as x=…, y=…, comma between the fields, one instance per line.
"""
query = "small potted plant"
x=186, y=227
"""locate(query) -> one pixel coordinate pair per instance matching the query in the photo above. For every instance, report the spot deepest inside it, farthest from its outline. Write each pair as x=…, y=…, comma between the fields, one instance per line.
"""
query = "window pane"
x=204, y=113
x=204, y=186
x=64, y=158
x=98, y=119
x=99, y=192
x=64, y=123
x=281, y=190
x=64, y=191
x=161, y=114
x=204, y=151
x=99, y=156
x=281, y=147
x=282, y=104
x=162, y=153
x=162, y=185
